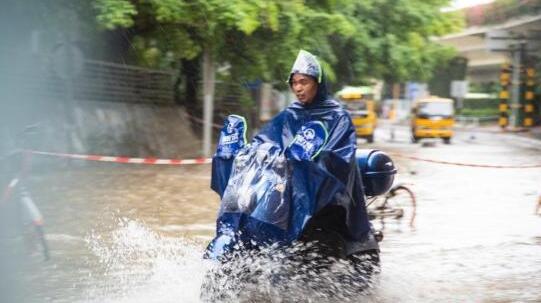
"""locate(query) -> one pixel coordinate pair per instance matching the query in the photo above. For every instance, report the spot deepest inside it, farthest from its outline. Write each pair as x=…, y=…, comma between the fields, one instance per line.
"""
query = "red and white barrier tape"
x=150, y=161
x=466, y=164
x=155, y=161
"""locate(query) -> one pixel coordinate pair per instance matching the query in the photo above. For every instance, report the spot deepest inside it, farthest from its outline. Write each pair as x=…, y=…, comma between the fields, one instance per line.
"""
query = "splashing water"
x=139, y=265
x=143, y=266
x=293, y=274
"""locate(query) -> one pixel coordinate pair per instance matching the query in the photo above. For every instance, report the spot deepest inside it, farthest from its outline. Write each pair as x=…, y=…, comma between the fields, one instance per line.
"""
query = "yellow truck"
x=432, y=117
x=359, y=102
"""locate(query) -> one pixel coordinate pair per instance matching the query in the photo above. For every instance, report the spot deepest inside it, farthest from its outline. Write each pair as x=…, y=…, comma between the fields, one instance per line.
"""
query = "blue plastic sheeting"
x=257, y=185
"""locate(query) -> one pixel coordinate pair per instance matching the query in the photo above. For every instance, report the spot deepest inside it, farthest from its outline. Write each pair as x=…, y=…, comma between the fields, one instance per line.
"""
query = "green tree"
x=358, y=40
x=393, y=40
x=259, y=36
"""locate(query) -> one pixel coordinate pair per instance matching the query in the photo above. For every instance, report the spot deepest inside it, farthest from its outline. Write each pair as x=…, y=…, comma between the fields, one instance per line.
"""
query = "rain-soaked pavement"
x=120, y=233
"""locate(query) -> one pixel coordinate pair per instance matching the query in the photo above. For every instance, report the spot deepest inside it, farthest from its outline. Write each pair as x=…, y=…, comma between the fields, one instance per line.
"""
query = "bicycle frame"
x=384, y=207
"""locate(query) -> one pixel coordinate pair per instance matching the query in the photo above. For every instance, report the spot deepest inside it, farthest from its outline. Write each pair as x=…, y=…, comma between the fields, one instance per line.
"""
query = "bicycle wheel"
x=400, y=203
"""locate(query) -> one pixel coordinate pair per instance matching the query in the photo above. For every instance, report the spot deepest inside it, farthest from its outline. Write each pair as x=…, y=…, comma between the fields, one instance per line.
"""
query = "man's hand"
x=232, y=137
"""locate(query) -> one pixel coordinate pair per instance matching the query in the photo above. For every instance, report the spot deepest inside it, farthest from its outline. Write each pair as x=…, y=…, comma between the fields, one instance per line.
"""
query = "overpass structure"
x=484, y=65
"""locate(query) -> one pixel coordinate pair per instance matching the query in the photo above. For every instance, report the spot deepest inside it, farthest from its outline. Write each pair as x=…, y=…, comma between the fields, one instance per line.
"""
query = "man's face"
x=304, y=87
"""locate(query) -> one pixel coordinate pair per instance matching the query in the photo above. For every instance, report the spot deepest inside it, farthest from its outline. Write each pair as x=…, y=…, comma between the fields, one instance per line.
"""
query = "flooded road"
x=120, y=233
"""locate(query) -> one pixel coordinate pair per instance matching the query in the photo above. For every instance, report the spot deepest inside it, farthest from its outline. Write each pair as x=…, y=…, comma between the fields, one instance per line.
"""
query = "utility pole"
x=208, y=99
x=515, y=83
x=515, y=44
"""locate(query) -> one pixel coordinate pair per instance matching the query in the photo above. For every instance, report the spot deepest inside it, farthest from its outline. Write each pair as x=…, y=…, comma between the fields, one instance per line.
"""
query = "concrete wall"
x=107, y=128
x=134, y=129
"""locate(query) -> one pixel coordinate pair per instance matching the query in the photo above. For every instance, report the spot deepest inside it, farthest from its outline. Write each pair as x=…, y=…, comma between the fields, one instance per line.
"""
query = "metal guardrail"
x=95, y=81
x=475, y=121
x=25, y=76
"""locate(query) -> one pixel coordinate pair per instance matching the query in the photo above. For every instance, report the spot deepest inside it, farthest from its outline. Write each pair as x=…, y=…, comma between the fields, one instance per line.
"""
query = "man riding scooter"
x=297, y=181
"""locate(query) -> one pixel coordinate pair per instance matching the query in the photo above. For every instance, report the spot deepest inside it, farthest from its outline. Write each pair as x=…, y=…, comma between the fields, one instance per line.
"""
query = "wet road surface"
x=120, y=233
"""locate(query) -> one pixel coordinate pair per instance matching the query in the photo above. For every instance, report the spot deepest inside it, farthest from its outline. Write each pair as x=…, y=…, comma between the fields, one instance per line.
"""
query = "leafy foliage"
x=392, y=40
x=115, y=13
x=356, y=40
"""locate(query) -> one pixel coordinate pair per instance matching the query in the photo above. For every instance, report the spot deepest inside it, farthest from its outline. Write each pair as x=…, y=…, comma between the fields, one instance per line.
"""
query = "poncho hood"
x=308, y=64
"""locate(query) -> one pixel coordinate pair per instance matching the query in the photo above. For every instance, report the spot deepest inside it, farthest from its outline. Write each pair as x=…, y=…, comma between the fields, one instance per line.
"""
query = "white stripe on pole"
x=13, y=183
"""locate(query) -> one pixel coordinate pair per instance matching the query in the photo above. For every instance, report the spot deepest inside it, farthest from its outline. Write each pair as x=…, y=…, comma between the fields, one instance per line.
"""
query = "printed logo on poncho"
x=309, y=134
x=309, y=141
x=230, y=126
x=232, y=137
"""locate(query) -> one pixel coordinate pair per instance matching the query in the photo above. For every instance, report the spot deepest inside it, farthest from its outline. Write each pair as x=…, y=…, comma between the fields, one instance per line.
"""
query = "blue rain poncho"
x=270, y=189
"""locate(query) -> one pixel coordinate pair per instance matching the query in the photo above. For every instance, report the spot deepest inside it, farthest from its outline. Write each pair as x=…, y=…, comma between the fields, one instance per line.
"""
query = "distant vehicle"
x=360, y=104
x=432, y=117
